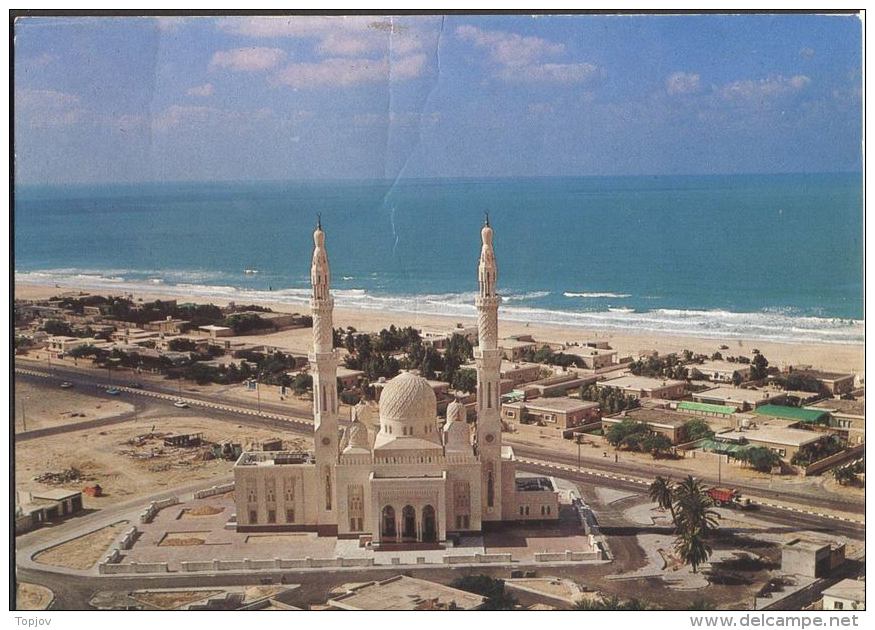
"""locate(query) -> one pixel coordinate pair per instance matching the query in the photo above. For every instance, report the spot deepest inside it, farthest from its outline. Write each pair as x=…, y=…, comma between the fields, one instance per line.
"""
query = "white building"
x=846, y=595
x=415, y=481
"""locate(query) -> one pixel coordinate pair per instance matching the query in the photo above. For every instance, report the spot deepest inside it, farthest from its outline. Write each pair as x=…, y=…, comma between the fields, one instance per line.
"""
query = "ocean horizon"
x=776, y=257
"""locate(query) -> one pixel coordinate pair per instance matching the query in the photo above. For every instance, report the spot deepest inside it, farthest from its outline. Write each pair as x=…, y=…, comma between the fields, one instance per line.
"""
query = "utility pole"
x=258, y=394
x=23, y=417
x=719, y=468
x=578, y=440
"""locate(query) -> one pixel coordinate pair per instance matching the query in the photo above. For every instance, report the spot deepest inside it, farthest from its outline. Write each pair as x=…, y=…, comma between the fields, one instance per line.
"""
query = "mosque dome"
x=456, y=412
x=407, y=398
x=457, y=436
x=357, y=432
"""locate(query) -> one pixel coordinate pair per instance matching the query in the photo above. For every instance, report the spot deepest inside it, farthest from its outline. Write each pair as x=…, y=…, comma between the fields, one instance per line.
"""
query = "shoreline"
x=836, y=356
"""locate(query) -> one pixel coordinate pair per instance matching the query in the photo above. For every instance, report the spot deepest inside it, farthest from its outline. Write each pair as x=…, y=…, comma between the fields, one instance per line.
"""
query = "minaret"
x=487, y=355
x=323, y=364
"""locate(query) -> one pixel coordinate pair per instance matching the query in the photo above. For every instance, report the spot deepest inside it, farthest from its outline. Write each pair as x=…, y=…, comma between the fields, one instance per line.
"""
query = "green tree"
x=661, y=492
x=693, y=508
x=760, y=458
x=692, y=548
x=759, y=367
x=656, y=444
x=845, y=475
x=465, y=380
x=696, y=429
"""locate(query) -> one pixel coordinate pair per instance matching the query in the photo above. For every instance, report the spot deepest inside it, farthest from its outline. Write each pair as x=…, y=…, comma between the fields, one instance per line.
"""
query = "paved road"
x=290, y=421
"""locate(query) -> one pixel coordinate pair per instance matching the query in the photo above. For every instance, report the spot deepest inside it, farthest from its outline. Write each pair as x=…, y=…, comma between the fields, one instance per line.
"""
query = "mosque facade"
x=419, y=478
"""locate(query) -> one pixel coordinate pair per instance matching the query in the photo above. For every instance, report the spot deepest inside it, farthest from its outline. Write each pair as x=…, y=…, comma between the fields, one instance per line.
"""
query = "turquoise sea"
x=754, y=256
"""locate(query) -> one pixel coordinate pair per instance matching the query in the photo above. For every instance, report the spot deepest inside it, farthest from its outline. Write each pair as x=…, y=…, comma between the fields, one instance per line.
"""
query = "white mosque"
x=418, y=478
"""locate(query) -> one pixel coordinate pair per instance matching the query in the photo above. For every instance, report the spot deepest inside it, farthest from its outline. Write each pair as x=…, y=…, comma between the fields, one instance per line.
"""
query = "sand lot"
x=43, y=407
x=127, y=471
x=83, y=552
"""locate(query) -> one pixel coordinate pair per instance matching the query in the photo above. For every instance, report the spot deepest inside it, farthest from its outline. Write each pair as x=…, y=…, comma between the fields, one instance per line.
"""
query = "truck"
x=729, y=497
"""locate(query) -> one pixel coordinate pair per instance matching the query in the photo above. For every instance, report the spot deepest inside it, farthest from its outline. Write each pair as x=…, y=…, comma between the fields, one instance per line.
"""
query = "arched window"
x=429, y=524
x=408, y=523
x=387, y=527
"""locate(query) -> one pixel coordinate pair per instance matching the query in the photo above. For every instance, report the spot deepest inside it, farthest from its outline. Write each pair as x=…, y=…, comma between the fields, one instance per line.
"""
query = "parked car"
x=181, y=404
x=112, y=391
x=66, y=385
x=135, y=385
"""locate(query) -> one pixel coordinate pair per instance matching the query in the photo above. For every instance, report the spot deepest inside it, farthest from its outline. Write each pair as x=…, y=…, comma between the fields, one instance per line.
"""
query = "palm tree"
x=662, y=493
x=692, y=548
x=692, y=506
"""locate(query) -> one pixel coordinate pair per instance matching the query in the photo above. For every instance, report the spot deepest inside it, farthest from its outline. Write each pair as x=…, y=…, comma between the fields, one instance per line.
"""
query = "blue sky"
x=156, y=99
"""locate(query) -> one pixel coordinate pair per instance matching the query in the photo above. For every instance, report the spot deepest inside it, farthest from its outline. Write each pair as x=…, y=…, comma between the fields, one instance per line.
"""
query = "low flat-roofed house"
x=563, y=413
x=810, y=558
x=836, y=383
x=349, y=378
x=720, y=371
x=723, y=412
x=406, y=593
x=520, y=372
x=135, y=335
x=215, y=331
x=846, y=595
x=594, y=358
x=37, y=507
x=663, y=421
x=741, y=399
x=645, y=387
x=168, y=326
x=794, y=414
x=515, y=348
x=558, y=384
x=783, y=440
x=439, y=338
x=847, y=417
x=60, y=345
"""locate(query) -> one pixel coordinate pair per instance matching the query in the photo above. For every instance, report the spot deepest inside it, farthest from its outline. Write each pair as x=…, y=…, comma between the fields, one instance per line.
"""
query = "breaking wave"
x=596, y=294
x=768, y=324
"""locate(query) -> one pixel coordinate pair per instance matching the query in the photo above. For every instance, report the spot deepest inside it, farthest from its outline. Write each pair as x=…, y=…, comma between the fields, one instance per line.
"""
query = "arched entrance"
x=408, y=523
x=429, y=524
x=387, y=527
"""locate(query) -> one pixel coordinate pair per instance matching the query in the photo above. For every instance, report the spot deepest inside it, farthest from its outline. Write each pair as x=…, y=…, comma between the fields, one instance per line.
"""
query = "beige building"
x=562, y=412
x=846, y=417
x=415, y=481
x=741, y=399
x=168, y=326
x=836, y=383
x=719, y=371
x=846, y=595
x=595, y=358
x=520, y=372
x=783, y=440
x=515, y=347
x=214, y=331
x=645, y=387
x=663, y=421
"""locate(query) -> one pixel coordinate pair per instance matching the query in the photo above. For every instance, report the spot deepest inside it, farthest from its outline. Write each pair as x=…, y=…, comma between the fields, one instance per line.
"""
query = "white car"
x=181, y=404
x=66, y=385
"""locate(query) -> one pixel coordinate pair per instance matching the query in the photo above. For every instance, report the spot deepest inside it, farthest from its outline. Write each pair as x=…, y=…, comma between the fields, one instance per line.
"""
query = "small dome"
x=358, y=437
x=456, y=413
x=407, y=398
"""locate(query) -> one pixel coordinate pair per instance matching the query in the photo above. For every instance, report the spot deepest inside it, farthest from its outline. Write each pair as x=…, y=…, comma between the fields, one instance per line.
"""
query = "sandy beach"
x=837, y=357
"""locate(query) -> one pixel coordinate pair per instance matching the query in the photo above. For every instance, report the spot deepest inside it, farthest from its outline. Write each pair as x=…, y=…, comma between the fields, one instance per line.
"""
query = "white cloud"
x=806, y=53
x=682, y=83
x=336, y=36
x=201, y=90
x=247, y=59
x=759, y=89
x=48, y=108
x=524, y=58
x=346, y=72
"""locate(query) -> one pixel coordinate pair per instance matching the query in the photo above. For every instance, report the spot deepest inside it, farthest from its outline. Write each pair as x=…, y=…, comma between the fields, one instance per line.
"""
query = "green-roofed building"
x=808, y=416
x=706, y=409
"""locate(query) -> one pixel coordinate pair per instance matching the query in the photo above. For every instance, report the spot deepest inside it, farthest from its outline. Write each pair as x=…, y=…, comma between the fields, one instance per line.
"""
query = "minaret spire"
x=323, y=365
x=487, y=356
